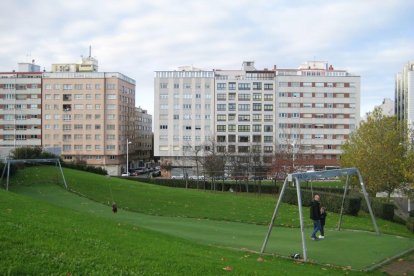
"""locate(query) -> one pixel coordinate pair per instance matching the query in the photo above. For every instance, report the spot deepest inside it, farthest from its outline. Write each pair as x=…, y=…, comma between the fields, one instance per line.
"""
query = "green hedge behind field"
x=331, y=201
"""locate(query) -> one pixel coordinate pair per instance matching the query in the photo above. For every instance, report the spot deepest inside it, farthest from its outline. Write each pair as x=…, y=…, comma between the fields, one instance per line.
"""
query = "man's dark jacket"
x=315, y=210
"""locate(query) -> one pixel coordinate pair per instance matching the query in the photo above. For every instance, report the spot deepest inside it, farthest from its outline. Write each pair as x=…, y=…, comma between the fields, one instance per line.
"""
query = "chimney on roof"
x=274, y=67
x=330, y=67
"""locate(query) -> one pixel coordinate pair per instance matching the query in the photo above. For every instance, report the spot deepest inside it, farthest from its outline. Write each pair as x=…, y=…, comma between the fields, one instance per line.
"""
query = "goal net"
x=31, y=171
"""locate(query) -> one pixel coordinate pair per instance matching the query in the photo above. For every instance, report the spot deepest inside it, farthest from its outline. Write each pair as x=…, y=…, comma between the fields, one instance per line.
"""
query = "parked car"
x=200, y=177
x=156, y=173
x=177, y=176
x=126, y=174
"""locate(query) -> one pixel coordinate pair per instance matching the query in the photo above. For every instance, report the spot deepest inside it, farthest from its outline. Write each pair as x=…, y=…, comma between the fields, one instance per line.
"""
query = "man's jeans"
x=316, y=228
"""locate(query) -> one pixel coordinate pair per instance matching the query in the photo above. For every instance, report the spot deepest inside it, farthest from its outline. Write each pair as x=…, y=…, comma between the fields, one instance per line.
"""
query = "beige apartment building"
x=89, y=116
x=143, y=149
x=20, y=108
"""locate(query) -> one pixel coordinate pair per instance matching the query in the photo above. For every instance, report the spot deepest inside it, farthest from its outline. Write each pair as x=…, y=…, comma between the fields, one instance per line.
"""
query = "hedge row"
x=208, y=185
x=86, y=168
x=325, y=189
x=383, y=210
x=332, y=202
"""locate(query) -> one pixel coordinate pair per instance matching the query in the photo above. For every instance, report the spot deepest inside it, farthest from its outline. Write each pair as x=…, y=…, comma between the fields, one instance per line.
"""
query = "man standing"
x=315, y=215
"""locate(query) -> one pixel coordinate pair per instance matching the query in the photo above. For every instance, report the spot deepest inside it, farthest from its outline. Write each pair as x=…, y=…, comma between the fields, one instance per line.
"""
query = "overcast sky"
x=370, y=38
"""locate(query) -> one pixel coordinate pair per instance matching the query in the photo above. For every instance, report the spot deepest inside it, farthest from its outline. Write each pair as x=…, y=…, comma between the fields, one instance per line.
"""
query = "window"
x=186, y=106
x=221, y=138
x=232, y=86
x=268, y=139
x=221, y=86
x=295, y=94
x=257, y=128
x=221, y=107
x=244, y=139
x=257, y=97
x=268, y=149
x=268, y=118
x=268, y=128
x=268, y=97
x=244, y=107
x=244, y=118
x=257, y=107
x=232, y=107
x=221, y=97
x=221, y=128
x=283, y=94
x=221, y=117
x=244, y=97
x=232, y=138
x=243, y=128
x=257, y=117
x=232, y=128
x=244, y=86
x=268, y=107
x=268, y=86
x=163, y=126
x=257, y=86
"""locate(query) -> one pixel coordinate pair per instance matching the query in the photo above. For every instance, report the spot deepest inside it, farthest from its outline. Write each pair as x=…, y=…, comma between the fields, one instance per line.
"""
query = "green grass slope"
x=38, y=238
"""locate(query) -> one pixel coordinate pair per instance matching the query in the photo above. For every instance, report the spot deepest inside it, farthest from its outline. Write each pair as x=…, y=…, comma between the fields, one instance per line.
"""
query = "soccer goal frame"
x=8, y=162
x=304, y=176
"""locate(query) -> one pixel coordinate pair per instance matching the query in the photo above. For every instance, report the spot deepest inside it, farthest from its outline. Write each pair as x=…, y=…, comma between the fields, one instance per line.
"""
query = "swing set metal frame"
x=305, y=176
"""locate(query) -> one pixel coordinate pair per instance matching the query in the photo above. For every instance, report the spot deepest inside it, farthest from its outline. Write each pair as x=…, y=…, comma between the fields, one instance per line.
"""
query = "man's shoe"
x=321, y=237
x=314, y=238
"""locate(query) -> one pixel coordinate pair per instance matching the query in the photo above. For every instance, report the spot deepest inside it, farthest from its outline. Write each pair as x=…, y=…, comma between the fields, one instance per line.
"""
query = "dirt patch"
x=401, y=266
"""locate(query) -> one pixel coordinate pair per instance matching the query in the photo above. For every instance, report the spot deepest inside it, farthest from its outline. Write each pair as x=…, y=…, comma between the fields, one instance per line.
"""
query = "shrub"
x=208, y=185
x=331, y=201
x=381, y=209
x=410, y=224
x=411, y=213
x=83, y=167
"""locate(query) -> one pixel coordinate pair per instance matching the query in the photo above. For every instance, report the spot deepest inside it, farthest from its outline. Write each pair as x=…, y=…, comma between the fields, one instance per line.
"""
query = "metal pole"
x=368, y=203
x=63, y=176
x=127, y=159
x=4, y=170
x=343, y=202
x=279, y=201
x=302, y=226
x=8, y=175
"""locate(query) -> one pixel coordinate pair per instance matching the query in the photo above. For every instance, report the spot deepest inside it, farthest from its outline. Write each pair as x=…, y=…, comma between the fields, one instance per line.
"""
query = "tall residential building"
x=404, y=94
x=144, y=148
x=89, y=116
x=184, y=112
x=310, y=111
x=20, y=108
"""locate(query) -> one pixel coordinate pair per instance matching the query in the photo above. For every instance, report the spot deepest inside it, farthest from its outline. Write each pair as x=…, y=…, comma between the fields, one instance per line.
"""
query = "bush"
x=84, y=167
x=410, y=224
x=381, y=209
x=411, y=214
x=325, y=189
x=331, y=201
x=208, y=185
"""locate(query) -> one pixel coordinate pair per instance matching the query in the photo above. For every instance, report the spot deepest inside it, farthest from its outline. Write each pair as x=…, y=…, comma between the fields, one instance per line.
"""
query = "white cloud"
x=139, y=37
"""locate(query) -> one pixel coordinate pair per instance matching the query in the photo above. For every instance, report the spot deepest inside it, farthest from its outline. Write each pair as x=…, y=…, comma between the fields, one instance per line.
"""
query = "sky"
x=369, y=38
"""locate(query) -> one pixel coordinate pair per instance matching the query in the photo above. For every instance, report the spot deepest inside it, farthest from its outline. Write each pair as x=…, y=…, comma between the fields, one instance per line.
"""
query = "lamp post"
x=127, y=144
x=293, y=155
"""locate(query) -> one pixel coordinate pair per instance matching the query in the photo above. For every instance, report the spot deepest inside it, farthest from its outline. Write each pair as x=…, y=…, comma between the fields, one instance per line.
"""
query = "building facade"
x=253, y=116
x=404, y=95
x=20, y=108
x=89, y=116
x=184, y=107
x=143, y=153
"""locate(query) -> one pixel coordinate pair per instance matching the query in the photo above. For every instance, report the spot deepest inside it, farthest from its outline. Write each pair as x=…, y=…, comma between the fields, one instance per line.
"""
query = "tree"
x=30, y=153
x=377, y=149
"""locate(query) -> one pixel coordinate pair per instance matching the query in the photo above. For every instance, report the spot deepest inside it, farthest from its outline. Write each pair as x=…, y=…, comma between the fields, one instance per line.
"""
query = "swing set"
x=297, y=178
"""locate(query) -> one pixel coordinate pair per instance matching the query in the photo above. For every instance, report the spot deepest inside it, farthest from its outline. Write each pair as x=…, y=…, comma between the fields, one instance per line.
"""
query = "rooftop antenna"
x=90, y=50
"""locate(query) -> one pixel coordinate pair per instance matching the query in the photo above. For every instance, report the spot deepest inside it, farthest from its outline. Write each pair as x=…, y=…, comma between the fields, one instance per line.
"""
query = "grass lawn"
x=371, y=249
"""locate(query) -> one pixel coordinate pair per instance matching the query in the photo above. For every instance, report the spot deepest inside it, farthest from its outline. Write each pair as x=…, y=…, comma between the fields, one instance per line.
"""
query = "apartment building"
x=404, y=95
x=253, y=114
x=184, y=113
x=143, y=153
x=88, y=115
x=20, y=108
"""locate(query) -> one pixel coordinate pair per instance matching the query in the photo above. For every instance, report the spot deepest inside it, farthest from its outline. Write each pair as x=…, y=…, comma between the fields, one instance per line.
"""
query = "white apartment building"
x=89, y=116
x=310, y=110
x=184, y=108
x=404, y=94
x=20, y=108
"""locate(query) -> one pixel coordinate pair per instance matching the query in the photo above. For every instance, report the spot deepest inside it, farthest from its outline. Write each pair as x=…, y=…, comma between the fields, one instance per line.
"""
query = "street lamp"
x=128, y=142
x=293, y=155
